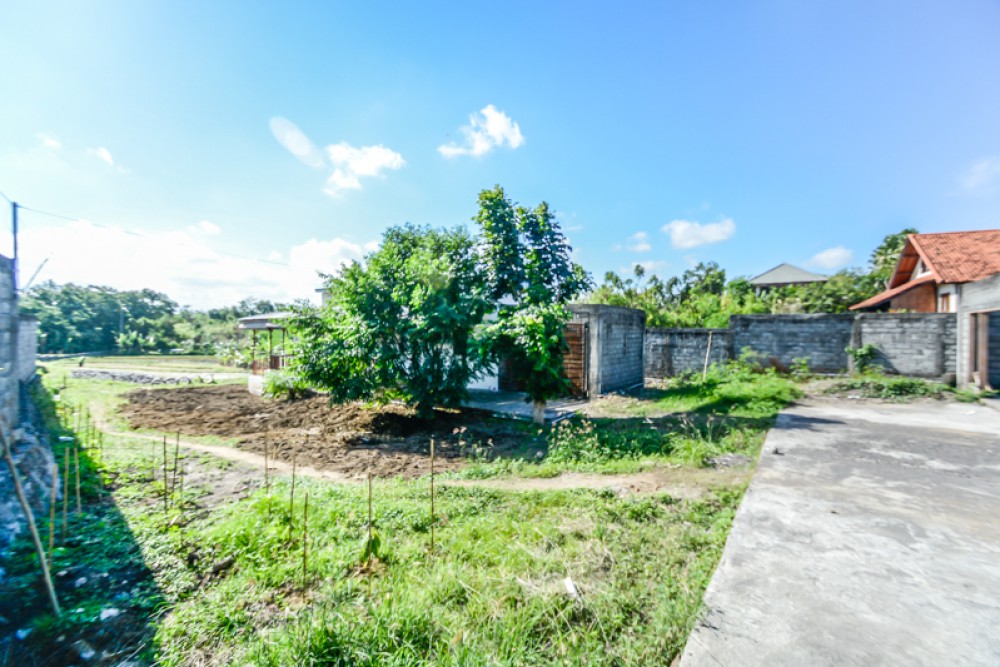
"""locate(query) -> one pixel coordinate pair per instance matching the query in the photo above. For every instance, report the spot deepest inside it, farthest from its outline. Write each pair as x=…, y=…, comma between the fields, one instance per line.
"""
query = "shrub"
x=863, y=357
x=287, y=386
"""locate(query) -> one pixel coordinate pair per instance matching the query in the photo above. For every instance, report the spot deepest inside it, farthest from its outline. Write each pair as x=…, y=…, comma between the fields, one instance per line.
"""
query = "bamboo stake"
x=166, y=500
x=52, y=510
x=369, y=535
x=65, y=453
x=177, y=448
x=432, y=496
x=291, y=502
x=76, y=456
x=31, y=520
x=708, y=353
x=305, y=539
x=267, y=479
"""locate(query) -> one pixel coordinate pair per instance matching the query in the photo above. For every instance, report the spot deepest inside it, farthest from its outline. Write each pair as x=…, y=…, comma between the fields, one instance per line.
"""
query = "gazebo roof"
x=265, y=321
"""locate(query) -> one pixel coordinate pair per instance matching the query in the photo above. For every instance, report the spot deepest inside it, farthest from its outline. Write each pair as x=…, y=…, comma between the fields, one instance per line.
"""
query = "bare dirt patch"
x=352, y=439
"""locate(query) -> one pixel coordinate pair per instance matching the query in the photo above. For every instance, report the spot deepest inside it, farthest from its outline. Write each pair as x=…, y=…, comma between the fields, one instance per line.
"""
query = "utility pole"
x=13, y=209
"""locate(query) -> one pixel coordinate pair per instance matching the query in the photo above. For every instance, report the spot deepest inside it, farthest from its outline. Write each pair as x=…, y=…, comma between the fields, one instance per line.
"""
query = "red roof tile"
x=960, y=257
x=895, y=291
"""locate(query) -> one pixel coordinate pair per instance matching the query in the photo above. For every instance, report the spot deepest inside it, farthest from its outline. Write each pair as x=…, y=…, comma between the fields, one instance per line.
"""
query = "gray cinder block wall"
x=616, y=339
x=917, y=344
x=672, y=352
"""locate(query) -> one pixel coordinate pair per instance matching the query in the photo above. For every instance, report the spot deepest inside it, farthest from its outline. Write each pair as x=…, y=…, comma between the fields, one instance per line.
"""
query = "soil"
x=351, y=440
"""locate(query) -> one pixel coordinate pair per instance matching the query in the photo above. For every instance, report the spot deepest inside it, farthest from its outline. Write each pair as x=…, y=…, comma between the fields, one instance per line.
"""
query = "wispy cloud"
x=832, y=258
x=488, y=128
x=690, y=234
x=650, y=266
x=206, y=227
x=639, y=242
x=351, y=164
x=981, y=176
x=104, y=154
x=49, y=141
x=296, y=142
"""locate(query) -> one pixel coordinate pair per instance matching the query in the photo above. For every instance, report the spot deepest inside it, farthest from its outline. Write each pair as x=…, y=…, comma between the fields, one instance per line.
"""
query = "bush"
x=287, y=386
x=874, y=385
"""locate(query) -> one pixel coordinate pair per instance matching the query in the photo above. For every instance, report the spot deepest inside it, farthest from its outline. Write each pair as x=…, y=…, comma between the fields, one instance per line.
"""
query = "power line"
x=5, y=197
x=140, y=234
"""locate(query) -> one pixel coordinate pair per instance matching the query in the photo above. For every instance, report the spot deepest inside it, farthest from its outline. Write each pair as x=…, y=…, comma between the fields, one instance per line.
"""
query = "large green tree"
x=401, y=325
x=531, y=276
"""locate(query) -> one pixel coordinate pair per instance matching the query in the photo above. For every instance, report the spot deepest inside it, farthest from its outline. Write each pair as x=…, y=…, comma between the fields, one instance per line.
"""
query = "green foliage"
x=286, y=385
x=701, y=296
x=863, y=357
x=894, y=388
x=402, y=325
x=529, y=271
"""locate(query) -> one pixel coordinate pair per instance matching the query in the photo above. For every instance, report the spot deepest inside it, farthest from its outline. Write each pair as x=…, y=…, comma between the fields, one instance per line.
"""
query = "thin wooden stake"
x=267, y=479
x=291, y=501
x=65, y=491
x=432, y=496
x=76, y=457
x=39, y=549
x=166, y=500
x=52, y=510
x=177, y=449
x=305, y=539
x=370, y=554
x=708, y=353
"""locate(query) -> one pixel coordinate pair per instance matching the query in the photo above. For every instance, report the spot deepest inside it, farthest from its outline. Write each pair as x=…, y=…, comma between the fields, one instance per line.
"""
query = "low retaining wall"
x=916, y=344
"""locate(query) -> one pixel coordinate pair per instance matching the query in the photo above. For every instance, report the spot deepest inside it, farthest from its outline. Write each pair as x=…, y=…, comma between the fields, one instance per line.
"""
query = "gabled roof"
x=895, y=291
x=953, y=257
x=265, y=320
x=786, y=274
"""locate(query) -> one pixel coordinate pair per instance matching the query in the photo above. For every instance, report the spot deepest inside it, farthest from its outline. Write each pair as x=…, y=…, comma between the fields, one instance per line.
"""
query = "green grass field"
x=147, y=362
x=225, y=582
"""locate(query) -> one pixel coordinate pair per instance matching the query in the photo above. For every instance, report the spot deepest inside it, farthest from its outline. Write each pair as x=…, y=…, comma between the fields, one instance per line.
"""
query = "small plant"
x=573, y=441
x=287, y=386
x=863, y=357
x=800, y=368
x=889, y=388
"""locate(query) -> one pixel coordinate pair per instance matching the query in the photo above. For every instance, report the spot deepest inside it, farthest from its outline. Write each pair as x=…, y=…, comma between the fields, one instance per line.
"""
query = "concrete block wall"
x=822, y=338
x=616, y=340
x=913, y=344
x=670, y=352
x=980, y=296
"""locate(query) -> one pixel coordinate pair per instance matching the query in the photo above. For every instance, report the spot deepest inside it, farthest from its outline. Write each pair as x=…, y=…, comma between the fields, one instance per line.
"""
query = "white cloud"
x=298, y=144
x=688, y=234
x=981, y=176
x=206, y=227
x=651, y=266
x=49, y=141
x=184, y=263
x=352, y=164
x=639, y=242
x=104, y=154
x=488, y=128
x=832, y=258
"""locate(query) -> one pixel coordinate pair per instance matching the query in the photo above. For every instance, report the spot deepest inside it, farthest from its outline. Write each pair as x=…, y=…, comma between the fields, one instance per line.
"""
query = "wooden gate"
x=576, y=363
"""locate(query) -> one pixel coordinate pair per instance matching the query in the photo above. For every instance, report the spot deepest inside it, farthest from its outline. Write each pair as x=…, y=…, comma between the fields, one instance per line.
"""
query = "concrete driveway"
x=870, y=535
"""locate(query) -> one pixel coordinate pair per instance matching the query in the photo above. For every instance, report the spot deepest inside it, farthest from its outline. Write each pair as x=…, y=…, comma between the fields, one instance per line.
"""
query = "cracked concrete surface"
x=870, y=535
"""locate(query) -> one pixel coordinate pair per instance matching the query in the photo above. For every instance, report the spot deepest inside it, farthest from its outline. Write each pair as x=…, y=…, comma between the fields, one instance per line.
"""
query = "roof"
x=265, y=320
x=786, y=274
x=957, y=257
x=895, y=291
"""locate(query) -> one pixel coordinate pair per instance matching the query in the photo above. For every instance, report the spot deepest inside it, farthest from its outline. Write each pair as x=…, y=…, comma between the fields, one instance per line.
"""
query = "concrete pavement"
x=870, y=535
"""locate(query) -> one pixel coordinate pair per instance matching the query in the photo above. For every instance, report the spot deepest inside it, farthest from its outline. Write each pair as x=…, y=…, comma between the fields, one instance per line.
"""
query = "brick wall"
x=917, y=344
x=672, y=352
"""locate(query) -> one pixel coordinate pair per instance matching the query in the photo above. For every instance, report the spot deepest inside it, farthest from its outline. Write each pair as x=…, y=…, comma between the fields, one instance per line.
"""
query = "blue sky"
x=748, y=133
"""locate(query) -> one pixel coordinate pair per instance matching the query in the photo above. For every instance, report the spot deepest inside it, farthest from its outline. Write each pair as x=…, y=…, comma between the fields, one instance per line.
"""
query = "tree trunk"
x=539, y=413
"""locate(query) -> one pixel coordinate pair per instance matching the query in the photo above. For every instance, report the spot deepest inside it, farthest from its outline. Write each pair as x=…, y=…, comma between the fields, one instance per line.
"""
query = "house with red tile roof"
x=933, y=267
x=953, y=272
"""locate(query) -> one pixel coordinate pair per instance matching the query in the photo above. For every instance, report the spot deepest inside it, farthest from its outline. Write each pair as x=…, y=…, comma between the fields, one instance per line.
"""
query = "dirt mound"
x=353, y=439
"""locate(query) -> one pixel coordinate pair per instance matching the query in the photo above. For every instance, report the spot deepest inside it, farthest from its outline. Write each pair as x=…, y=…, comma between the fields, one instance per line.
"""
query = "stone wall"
x=616, y=338
x=672, y=352
x=822, y=338
x=917, y=344
x=981, y=296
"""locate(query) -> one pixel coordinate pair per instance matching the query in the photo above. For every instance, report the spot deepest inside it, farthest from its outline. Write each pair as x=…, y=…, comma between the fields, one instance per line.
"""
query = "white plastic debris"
x=571, y=588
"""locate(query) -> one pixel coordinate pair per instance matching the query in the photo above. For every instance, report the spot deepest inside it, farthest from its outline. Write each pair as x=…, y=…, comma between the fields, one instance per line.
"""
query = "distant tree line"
x=92, y=318
x=703, y=297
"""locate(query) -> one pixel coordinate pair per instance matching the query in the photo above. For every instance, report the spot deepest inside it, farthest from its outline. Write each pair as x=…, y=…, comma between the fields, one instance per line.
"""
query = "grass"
x=160, y=363
x=898, y=388
x=492, y=593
